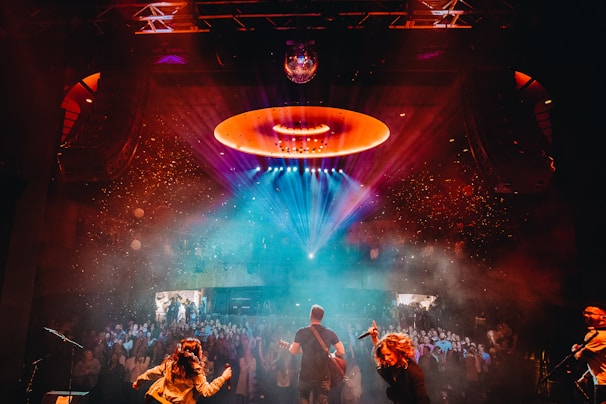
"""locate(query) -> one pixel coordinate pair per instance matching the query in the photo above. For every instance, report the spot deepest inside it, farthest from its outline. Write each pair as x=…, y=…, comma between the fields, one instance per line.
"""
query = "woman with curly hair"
x=181, y=378
x=394, y=354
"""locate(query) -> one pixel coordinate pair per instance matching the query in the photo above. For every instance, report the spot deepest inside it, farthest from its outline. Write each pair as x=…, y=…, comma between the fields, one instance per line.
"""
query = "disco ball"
x=300, y=63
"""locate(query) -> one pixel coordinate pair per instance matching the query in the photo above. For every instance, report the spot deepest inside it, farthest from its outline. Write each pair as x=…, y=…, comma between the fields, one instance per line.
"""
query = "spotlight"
x=300, y=61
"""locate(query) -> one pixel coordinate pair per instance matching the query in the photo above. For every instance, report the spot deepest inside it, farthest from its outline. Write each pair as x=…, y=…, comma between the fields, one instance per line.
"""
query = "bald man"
x=593, y=350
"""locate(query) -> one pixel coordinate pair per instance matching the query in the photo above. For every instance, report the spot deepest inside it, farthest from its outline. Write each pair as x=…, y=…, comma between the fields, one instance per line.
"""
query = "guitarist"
x=593, y=350
x=314, y=375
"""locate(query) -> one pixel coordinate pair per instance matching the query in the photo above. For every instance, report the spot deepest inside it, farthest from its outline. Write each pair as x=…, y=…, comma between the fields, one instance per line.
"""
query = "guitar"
x=337, y=365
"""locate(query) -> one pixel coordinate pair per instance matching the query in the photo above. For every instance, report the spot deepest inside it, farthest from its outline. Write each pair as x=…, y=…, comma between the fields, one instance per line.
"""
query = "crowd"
x=458, y=368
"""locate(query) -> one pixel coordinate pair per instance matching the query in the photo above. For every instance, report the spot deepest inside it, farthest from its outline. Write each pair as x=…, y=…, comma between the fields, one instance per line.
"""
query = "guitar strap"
x=330, y=357
x=320, y=340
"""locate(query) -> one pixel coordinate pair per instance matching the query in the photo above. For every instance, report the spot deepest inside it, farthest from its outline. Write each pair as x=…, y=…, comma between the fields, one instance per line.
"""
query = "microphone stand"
x=577, y=384
x=571, y=354
x=74, y=345
x=28, y=389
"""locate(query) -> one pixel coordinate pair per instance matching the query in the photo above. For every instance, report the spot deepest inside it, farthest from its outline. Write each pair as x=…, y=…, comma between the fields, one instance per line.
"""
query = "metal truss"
x=249, y=15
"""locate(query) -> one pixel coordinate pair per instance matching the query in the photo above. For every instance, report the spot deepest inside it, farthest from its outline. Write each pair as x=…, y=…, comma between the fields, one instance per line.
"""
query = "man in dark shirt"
x=314, y=375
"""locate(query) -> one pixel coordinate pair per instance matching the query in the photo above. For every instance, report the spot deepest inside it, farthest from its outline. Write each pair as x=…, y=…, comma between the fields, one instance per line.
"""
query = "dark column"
x=31, y=98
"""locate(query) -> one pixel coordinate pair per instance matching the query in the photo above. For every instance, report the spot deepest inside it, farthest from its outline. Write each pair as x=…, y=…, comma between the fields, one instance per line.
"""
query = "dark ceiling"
x=364, y=33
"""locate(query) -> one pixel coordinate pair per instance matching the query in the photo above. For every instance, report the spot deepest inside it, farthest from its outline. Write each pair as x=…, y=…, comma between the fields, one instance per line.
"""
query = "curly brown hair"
x=186, y=358
x=398, y=343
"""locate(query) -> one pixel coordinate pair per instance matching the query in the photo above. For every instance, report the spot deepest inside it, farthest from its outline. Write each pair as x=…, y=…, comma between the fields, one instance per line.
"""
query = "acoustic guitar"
x=337, y=365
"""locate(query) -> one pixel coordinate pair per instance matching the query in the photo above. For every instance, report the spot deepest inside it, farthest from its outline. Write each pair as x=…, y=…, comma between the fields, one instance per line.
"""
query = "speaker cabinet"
x=65, y=397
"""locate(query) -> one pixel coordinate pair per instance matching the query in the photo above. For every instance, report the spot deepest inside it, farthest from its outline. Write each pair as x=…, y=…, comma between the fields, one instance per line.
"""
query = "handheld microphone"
x=366, y=334
x=228, y=380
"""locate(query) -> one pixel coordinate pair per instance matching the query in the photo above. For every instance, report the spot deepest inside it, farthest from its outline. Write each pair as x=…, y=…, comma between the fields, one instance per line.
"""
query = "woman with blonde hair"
x=394, y=354
x=181, y=378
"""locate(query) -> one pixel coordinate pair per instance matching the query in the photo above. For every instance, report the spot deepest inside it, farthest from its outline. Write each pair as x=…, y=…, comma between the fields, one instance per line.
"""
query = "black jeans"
x=319, y=389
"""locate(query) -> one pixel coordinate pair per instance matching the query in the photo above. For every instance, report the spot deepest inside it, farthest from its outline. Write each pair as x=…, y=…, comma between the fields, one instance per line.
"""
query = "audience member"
x=351, y=393
x=86, y=372
x=111, y=381
x=246, y=387
x=429, y=364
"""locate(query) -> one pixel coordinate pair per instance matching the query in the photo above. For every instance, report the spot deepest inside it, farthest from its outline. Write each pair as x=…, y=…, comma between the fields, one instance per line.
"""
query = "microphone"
x=228, y=380
x=366, y=334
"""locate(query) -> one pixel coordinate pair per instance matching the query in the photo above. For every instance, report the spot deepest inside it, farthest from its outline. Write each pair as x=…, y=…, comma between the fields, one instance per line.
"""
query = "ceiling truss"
x=251, y=15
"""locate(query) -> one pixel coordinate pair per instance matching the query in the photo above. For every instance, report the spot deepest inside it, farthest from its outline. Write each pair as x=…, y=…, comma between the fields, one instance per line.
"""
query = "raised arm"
x=373, y=331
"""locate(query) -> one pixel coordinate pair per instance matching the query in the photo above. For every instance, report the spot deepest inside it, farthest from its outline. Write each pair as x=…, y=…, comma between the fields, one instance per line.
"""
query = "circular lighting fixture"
x=300, y=62
x=301, y=132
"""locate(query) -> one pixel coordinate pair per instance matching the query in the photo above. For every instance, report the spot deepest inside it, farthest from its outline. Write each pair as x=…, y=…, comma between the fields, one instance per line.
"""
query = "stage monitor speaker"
x=65, y=397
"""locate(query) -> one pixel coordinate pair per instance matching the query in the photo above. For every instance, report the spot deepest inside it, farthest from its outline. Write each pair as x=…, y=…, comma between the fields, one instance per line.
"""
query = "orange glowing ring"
x=301, y=129
x=301, y=132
